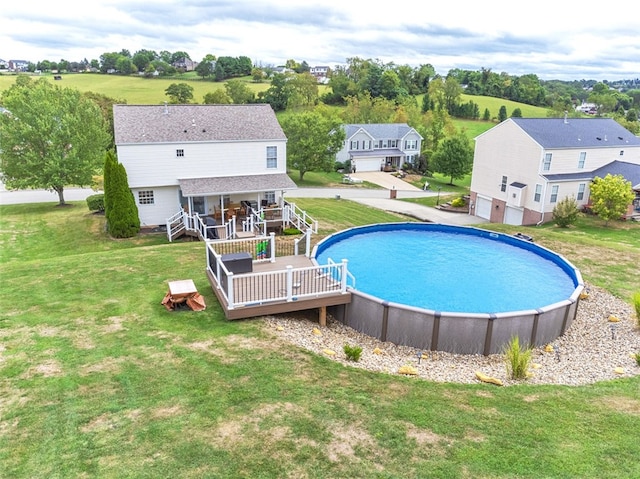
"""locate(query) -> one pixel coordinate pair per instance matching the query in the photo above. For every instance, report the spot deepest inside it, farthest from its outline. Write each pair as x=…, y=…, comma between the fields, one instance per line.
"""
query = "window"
x=411, y=145
x=621, y=152
x=546, y=166
x=503, y=185
x=581, y=188
x=145, y=197
x=554, y=193
x=583, y=157
x=270, y=197
x=393, y=143
x=354, y=145
x=538, y=193
x=411, y=159
x=180, y=153
x=272, y=156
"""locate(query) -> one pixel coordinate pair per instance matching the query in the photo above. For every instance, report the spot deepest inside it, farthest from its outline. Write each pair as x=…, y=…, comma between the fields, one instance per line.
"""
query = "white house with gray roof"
x=522, y=167
x=201, y=158
x=376, y=146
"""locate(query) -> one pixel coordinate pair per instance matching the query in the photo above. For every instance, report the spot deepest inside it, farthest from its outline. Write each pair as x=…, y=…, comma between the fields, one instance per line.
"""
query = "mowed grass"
x=97, y=379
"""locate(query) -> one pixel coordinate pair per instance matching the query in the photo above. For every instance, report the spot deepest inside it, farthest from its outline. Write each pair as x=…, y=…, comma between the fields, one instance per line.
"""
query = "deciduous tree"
x=52, y=137
x=454, y=157
x=610, y=196
x=314, y=139
x=179, y=93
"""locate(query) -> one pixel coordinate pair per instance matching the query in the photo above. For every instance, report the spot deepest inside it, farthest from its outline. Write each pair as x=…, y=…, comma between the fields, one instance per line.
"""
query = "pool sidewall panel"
x=365, y=314
x=409, y=327
x=507, y=327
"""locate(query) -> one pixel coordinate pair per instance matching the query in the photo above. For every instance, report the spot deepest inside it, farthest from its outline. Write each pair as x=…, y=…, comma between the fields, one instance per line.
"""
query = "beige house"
x=523, y=166
x=204, y=159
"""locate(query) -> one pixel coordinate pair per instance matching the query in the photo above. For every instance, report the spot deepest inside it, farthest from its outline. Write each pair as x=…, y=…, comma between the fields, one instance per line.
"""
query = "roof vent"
x=605, y=137
x=565, y=116
x=204, y=131
x=186, y=131
x=166, y=109
x=598, y=138
x=620, y=138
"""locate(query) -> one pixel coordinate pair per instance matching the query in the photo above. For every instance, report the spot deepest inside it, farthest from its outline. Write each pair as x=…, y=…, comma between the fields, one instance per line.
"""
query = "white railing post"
x=343, y=277
x=307, y=245
x=289, y=283
x=273, y=247
x=230, y=281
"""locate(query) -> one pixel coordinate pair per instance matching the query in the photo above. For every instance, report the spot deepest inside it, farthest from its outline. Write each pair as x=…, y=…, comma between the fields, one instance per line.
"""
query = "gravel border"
x=593, y=348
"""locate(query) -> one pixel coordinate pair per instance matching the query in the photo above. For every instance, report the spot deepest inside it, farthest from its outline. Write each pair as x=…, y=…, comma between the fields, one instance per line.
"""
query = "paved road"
x=376, y=198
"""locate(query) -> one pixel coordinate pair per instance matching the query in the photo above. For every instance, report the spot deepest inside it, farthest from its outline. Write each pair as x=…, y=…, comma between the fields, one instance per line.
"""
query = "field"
x=97, y=379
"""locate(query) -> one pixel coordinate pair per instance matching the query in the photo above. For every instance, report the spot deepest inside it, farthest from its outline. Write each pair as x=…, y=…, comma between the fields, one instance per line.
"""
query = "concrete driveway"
x=386, y=180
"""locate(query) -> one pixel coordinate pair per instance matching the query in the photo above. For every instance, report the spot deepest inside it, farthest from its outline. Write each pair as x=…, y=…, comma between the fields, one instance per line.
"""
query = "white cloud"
x=549, y=38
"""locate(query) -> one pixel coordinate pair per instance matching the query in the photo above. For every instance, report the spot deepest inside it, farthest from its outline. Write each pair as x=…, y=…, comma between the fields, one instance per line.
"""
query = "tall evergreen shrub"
x=120, y=205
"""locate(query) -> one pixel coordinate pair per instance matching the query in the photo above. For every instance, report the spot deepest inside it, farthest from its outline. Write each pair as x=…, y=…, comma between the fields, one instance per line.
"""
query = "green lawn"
x=97, y=379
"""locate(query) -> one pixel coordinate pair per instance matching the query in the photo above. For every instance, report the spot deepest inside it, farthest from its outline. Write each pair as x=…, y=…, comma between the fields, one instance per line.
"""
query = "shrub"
x=96, y=203
x=637, y=356
x=636, y=305
x=565, y=213
x=458, y=202
x=517, y=359
x=291, y=231
x=353, y=353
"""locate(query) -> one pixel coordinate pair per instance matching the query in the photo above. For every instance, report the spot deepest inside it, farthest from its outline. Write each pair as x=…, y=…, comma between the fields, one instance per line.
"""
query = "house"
x=523, y=166
x=379, y=146
x=18, y=65
x=204, y=159
x=185, y=64
x=321, y=73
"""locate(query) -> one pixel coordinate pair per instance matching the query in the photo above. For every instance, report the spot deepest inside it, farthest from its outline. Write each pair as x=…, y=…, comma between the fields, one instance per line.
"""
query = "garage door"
x=513, y=216
x=483, y=208
x=367, y=164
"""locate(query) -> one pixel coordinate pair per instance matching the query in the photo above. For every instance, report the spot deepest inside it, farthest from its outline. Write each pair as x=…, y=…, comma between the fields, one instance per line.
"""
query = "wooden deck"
x=290, y=283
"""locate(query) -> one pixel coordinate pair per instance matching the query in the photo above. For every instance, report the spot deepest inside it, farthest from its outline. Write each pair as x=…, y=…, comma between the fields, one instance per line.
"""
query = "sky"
x=560, y=39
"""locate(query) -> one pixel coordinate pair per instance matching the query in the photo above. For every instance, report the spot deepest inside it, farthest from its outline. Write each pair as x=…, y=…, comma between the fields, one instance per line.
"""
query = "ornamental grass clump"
x=636, y=306
x=517, y=358
x=353, y=353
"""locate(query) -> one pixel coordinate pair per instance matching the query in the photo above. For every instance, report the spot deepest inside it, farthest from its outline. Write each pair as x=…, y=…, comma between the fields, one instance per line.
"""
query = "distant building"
x=587, y=108
x=185, y=64
x=18, y=65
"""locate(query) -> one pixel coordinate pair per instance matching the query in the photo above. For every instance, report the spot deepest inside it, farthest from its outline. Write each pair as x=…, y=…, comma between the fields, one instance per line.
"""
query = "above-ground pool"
x=451, y=288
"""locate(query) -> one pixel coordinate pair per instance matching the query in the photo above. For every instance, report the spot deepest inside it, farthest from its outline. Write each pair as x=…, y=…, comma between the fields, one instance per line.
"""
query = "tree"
x=454, y=157
x=205, y=69
x=314, y=139
x=217, y=97
x=179, y=93
x=486, y=116
x=565, y=213
x=52, y=137
x=257, y=74
x=610, y=196
x=502, y=113
x=239, y=92
x=121, y=211
x=277, y=95
x=105, y=104
x=517, y=113
x=304, y=90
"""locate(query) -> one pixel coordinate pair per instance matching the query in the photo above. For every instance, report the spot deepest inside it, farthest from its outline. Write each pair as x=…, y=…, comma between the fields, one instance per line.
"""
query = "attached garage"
x=366, y=164
x=513, y=216
x=483, y=207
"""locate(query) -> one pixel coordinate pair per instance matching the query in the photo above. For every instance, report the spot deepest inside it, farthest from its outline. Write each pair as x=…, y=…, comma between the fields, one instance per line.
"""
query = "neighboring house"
x=587, y=108
x=379, y=146
x=201, y=158
x=185, y=64
x=18, y=65
x=522, y=167
x=321, y=73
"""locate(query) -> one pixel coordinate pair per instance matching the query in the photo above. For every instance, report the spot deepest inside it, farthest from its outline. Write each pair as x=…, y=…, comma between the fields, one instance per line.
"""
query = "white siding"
x=157, y=164
x=166, y=203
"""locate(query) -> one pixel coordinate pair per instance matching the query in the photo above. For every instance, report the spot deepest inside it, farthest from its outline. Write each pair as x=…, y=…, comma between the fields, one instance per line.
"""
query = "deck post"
x=322, y=316
x=289, y=282
x=308, y=243
x=273, y=246
x=230, y=285
x=343, y=276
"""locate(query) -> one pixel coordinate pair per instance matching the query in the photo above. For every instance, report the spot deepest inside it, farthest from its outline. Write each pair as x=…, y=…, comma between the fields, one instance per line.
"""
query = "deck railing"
x=259, y=288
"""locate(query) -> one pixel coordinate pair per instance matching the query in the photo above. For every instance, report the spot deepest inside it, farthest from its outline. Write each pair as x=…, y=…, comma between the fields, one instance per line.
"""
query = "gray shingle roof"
x=630, y=171
x=235, y=184
x=379, y=130
x=577, y=132
x=195, y=123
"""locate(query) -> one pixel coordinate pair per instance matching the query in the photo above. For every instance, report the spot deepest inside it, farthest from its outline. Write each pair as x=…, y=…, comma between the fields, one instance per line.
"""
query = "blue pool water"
x=453, y=269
